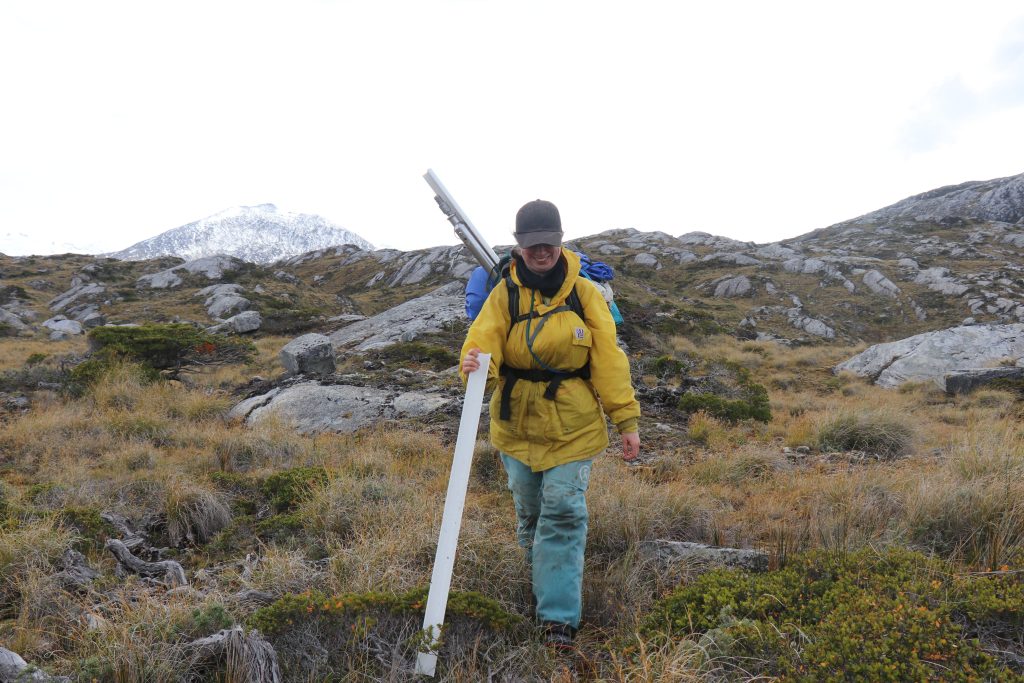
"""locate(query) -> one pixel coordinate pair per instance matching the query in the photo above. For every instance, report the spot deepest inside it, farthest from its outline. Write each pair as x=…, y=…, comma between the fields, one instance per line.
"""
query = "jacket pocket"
x=575, y=407
x=581, y=336
x=578, y=353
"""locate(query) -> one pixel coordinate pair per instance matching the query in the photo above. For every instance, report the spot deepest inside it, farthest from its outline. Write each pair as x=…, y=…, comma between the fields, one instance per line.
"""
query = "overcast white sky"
x=754, y=120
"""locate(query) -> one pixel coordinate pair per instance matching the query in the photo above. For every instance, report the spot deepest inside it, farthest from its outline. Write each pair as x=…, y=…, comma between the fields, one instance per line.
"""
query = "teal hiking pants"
x=552, y=510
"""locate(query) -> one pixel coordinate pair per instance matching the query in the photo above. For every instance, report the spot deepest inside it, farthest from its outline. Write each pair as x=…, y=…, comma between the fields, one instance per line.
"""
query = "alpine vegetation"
x=185, y=500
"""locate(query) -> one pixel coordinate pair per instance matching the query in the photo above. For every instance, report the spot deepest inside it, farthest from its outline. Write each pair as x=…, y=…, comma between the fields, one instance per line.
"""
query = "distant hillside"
x=1001, y=200
x=258, y=234
x=880, y=277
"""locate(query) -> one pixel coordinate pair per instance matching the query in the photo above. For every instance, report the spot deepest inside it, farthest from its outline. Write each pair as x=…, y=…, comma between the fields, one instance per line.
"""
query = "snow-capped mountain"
x=22, y=244
x=258, y=234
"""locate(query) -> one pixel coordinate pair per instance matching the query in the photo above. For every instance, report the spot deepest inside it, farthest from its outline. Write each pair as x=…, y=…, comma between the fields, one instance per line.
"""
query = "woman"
x=550, y=366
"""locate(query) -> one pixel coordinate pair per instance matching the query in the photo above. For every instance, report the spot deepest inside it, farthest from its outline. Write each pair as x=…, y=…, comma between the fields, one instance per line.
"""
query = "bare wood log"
x=248, y=656
x=168, y=571
x=13, y=668
x=77, y=573
x=254, y=597
x=131, y=538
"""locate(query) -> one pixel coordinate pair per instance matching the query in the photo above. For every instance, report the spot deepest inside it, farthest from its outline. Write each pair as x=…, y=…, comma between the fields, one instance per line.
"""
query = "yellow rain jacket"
x=543, y=433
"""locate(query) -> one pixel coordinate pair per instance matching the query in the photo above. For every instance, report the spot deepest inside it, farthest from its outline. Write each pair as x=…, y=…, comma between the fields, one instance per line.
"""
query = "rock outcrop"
x=211, y=267
x=967, y=381
x=699, y=557
x=311, y=407
x=423, y=315
x=1001, y=199
x=933, y=355
x=14, y=669
x=13, y=321
x=733, y=287
x=85, y=292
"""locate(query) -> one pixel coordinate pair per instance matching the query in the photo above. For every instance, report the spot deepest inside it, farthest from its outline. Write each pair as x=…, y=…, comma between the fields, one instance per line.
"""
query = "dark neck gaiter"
x=547, y=284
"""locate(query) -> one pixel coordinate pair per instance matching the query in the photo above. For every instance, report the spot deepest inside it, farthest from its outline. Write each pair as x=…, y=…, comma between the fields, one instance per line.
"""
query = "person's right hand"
x=470, y=362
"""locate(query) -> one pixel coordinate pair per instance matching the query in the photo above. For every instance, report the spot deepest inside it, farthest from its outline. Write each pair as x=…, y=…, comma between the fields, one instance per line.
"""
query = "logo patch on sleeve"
x=579, y=333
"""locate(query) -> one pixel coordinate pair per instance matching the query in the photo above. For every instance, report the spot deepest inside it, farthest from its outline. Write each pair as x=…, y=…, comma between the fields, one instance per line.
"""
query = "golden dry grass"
x=135, y=448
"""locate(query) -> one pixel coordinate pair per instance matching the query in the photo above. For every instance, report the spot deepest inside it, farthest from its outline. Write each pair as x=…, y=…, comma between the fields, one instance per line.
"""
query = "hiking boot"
x=559, y=636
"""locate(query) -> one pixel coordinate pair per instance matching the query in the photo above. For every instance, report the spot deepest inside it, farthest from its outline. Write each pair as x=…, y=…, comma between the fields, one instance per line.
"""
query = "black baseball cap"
x=538, y=222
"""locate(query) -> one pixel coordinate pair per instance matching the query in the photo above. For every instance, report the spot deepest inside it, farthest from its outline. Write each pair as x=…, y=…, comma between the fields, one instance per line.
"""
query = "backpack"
x=481, y=282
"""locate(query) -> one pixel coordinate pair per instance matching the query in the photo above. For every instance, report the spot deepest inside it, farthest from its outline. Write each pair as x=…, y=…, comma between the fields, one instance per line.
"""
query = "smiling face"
x=540, y=258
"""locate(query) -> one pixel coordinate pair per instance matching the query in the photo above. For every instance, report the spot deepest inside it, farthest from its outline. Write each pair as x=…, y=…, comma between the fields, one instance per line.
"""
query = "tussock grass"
x=370, y=522
x=738, y=467
x=28, y=550
x=619, y=521
x=194, y=513
x=708, y=430
x=17, y=355
x=971, y=507
x=874, y=432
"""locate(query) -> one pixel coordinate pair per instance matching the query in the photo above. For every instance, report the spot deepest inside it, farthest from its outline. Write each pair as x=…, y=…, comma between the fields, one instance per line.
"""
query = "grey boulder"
x=700, y=557
x=9, y=319
x=310, y=354
x=61, y=324
x=733, y=287
x=227, y=305
x=312, y=408
x=967, y=381
x=14, y=668
x=247, y=321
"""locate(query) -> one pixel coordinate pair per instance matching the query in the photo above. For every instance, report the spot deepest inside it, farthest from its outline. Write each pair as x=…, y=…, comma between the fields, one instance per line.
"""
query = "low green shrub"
x=158, y=349
x=665, y=366
x=41, y=492
x=203, y=621
x=35, y=359
x=739, y=397
x=245, y=490
x=435, y=356
x=279, y=528
x=31, y=377
x=314, y=605
x=163, y=346
x=287, y=489
x=341, y=625
x=895, y=615
x=754, y=407
x=93, y=530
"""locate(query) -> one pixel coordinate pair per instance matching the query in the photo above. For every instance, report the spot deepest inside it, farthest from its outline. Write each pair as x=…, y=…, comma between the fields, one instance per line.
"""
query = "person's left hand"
x=630, y=446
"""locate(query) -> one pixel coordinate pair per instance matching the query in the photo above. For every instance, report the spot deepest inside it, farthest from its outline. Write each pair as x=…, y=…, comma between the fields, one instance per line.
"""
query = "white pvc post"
x=451, y=520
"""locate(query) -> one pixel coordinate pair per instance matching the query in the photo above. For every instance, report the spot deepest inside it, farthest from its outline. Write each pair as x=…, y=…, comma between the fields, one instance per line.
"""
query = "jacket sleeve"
x=609, y=367
x=489, y=332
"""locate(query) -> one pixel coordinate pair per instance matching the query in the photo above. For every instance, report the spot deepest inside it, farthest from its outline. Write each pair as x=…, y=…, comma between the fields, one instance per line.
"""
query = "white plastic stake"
x=451, y=519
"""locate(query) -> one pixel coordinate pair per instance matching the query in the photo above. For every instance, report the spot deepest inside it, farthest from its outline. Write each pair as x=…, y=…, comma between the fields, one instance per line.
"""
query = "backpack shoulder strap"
x=513, y=301
x=574, y=303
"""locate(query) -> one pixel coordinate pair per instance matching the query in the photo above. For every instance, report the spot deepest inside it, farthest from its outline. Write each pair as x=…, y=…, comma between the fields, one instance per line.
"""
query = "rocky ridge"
x=880, y=277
